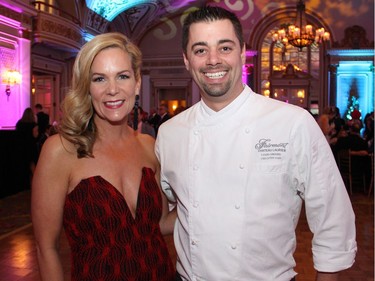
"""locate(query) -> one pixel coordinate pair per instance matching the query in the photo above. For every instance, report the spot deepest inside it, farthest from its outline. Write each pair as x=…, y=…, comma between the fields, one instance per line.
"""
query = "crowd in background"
x=149, y=122
x=33, y=128
x=355, y=135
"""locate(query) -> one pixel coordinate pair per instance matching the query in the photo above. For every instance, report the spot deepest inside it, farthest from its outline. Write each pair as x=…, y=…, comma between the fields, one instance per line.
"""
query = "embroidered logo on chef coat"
x=271, y=150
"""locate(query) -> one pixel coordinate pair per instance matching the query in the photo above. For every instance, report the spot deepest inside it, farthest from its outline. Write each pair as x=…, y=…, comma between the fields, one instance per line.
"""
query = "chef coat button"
x=234, y=247
x=242, y=166
x=196, y=167
x=237, y=206
x=196, y=132
x=247, y=130
x=195, y=204
x=193, y=242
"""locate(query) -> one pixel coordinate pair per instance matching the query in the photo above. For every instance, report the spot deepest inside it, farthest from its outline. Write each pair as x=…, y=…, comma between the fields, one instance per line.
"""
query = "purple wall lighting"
x=14, y=71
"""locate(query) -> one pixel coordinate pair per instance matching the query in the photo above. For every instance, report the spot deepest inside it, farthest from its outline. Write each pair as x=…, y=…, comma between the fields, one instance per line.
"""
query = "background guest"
x=143, y=126
x=164, y=115
x=27, y=133
x=368, y=133
x=154, y=118
x=42, y=120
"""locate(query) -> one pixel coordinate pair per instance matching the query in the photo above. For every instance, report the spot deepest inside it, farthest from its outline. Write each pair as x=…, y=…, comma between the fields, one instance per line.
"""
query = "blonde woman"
x=98, y=179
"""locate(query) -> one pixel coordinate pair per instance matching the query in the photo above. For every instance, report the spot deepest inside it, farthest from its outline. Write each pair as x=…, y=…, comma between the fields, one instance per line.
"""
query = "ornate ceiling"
x=109, y=9
x=135, y=17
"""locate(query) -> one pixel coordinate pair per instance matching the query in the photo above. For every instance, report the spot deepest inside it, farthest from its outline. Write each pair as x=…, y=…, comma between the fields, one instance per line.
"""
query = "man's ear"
x=187, y=65
x=243, y=54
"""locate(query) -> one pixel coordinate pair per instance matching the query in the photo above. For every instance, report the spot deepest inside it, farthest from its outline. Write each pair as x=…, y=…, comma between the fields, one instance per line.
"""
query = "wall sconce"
x=301, y=94
x=10, y=78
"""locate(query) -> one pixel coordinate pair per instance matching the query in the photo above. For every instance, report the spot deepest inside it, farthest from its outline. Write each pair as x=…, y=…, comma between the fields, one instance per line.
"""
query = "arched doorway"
x=308, y=84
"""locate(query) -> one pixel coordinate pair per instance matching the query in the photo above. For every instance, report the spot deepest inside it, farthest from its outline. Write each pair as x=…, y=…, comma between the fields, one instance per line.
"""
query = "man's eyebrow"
x=222, y=41
x=201, y=43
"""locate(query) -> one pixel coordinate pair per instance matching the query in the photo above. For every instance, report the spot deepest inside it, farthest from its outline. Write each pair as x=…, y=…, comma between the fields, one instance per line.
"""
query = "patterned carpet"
x=14, y=213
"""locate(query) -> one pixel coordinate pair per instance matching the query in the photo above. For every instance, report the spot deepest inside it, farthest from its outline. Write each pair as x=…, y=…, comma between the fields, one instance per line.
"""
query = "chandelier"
x=300, y=34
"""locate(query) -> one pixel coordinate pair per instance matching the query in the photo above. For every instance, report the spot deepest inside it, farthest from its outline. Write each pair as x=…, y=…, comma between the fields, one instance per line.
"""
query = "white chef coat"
x=239, y=176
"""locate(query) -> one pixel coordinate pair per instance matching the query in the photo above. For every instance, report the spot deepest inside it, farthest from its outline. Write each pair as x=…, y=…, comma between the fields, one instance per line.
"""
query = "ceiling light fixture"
x=300, y=34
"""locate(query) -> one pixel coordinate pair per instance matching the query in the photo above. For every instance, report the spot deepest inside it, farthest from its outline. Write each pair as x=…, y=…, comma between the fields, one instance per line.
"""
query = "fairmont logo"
x=265, y=144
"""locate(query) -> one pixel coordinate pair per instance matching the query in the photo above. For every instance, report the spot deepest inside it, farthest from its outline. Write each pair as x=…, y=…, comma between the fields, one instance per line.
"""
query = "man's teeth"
x=114, y=103
x=215, y=75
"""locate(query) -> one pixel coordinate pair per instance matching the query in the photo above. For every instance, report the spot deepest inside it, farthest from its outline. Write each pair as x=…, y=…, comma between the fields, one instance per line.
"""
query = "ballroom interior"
x=327, y=59
x=311, y=53
x=40, y=39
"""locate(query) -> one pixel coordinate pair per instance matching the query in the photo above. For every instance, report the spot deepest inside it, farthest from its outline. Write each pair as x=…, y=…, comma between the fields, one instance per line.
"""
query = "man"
x=239, y=166
x=154, y=119
x=42, y=119
x=164, y=115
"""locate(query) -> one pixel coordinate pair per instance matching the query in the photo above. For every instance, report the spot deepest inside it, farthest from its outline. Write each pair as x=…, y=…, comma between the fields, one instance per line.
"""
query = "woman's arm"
x=168, y=218
x=169, y=212
x=49, y=189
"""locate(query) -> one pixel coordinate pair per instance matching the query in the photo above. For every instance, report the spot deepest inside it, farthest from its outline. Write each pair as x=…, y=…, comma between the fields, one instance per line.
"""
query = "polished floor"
x=18, y=256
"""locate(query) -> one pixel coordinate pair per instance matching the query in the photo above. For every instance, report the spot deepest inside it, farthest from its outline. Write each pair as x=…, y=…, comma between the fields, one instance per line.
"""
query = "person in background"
x=239, y=167
x=358, y=147
x=326, y=125
x=164, y=115
x=50, y=131
x=42, y=120
x=27, y=133
x=154, y=119
x=353, y=140
x=178, y=110
x=26, y=126
x=143, y=127
x=368, y=132
x=338, y=123
x=98, y=179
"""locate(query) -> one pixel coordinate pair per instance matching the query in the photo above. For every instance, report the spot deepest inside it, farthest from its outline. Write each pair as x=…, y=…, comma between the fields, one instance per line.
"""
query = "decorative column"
x=248, y=75
x=332, y=84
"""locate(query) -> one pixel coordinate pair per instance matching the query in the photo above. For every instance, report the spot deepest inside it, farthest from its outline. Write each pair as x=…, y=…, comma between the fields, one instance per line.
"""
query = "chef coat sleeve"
x=328, y=207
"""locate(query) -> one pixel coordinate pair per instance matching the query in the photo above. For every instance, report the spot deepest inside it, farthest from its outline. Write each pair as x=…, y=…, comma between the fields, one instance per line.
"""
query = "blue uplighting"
x=88, y=36
x=355, y=87
x=110, y=9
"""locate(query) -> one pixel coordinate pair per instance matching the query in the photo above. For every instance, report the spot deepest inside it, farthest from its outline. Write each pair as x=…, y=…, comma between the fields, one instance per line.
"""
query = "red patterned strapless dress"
x=107, y=242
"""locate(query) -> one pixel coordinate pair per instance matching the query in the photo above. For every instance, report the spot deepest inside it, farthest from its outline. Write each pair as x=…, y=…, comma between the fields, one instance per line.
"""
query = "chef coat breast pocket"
x=271, y=167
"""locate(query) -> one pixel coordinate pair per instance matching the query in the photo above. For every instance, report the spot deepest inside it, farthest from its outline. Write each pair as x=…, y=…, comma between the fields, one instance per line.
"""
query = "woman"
x=99, y=179
x=27, y=132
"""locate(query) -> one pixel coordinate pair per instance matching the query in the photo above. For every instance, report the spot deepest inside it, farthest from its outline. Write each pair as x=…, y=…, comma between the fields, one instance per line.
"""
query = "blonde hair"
x=77, y=124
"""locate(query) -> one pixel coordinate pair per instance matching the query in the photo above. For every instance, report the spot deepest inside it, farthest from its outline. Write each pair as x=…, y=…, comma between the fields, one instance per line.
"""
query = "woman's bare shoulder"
x=55, y=164
x=56, y=145
x=147, y=142
x=147, y=139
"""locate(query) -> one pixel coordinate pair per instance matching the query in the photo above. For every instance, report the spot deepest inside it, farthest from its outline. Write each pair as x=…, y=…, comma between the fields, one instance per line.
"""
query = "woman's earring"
x=135, y=119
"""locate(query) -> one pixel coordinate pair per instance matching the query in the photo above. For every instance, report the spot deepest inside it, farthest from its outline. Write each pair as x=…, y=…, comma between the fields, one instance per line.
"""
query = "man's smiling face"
x=215, y=58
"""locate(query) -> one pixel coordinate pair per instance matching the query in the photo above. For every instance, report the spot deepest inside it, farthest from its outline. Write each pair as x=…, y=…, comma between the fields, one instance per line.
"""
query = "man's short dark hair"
x=210, y=14
x=38, y=106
